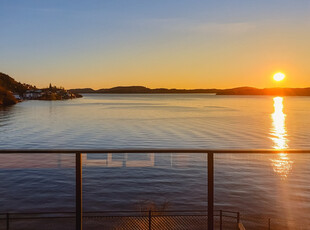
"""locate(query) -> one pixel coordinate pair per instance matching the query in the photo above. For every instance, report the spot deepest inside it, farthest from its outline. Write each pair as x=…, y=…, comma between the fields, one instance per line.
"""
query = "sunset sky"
x=158, y=43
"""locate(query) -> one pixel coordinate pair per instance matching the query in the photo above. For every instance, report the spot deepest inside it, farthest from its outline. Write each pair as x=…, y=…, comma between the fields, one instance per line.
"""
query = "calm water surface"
x=273, y=185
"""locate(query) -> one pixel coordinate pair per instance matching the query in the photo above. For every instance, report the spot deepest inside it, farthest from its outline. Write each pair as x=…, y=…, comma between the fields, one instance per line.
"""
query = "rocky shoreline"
x=12, y=92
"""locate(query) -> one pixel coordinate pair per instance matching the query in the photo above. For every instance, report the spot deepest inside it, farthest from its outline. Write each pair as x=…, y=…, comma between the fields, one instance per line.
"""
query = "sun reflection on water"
x=282, y=164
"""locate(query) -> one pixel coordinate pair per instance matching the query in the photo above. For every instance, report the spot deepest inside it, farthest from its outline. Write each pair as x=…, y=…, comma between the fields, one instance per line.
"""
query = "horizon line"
x=214, y=88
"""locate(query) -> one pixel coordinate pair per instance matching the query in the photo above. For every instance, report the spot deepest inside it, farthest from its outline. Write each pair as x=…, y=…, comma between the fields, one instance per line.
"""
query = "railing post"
x=150, y=219
x=221, y=219
x=210, y=191
x=269, y=224
x=7, y=221
x=238, y=217
x=78, y=191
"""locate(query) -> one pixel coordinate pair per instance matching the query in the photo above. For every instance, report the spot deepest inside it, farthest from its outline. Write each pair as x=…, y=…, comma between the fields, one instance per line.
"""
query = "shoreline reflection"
x=282, y=165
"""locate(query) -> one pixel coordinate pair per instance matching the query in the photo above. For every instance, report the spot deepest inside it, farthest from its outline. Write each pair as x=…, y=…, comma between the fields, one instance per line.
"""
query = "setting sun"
x=278, y=76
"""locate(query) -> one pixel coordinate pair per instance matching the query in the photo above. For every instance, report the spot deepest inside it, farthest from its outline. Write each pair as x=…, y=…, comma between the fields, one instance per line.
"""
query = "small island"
x=12, y=92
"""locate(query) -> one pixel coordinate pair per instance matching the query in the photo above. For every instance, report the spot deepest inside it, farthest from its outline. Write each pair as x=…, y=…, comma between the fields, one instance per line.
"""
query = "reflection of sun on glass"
x=282, y=164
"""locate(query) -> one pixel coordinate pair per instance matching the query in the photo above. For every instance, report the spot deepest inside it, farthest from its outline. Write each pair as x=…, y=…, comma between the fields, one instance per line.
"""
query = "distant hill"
x=8, y=83
x=142, y=89
x=83, y=90
x=6, y=97
x=126, y=89
x=233, y=91
x=7, y=86
x=268, y=91
x=240, y=91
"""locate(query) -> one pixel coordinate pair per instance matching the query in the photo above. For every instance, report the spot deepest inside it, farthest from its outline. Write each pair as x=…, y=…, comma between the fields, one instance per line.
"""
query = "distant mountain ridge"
x=234, y=91
x=8, y=86
x=141, y=89
x=266, y=91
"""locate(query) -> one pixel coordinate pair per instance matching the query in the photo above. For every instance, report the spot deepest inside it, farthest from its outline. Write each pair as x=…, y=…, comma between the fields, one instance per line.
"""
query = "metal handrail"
x=210, y=153
x=120, y=211
x=217, y=151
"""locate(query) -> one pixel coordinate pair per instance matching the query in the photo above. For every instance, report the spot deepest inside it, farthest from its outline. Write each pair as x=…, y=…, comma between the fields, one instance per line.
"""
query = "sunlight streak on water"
x=282, y=165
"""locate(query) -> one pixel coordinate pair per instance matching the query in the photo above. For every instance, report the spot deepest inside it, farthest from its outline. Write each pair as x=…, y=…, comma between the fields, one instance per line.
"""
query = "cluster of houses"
x=46, y=94
x=32, y=94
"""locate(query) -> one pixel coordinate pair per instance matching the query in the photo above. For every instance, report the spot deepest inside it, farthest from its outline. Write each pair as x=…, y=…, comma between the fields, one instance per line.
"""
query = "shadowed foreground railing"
x=210, y=153
x=129, y=220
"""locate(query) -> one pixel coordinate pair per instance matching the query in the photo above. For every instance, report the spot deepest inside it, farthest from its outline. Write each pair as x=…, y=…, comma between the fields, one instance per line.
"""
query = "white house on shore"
x=32, y=94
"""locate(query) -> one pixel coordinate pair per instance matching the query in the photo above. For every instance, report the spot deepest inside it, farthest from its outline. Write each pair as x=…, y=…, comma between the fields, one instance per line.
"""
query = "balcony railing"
x=210, y=158
x=129, y=220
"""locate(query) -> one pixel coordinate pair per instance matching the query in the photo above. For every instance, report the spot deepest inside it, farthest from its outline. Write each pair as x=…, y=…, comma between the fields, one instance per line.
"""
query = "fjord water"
x=272, y=185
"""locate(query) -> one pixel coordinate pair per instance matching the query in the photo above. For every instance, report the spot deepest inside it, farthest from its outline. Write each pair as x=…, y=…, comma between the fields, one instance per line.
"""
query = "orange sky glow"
x=201, y=44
